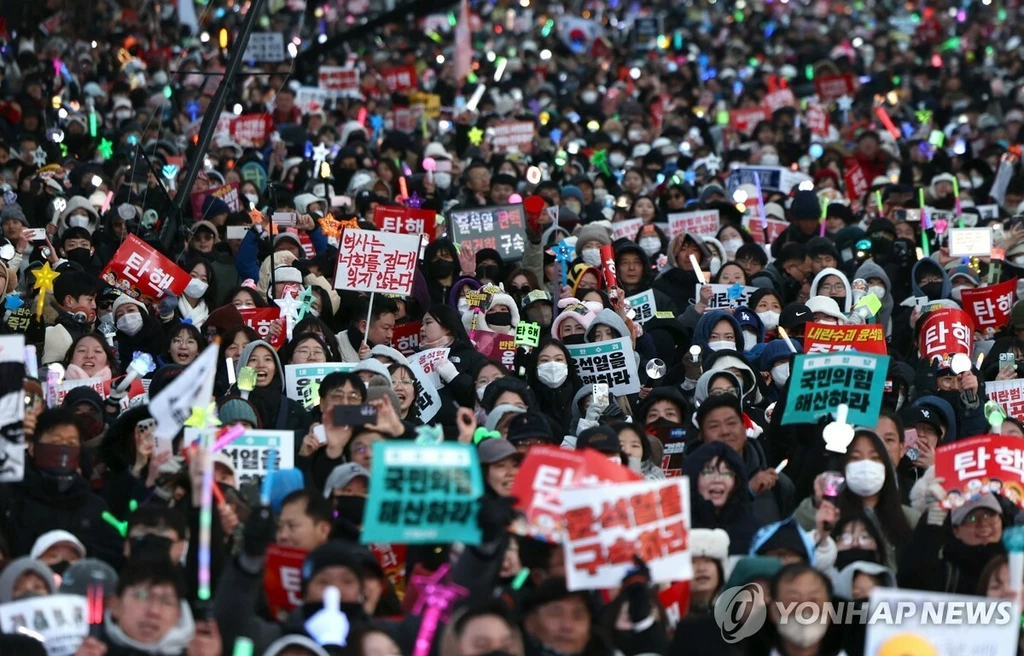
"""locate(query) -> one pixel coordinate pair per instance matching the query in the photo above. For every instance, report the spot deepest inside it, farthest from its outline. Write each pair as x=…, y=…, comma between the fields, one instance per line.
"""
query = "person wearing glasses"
x=718, y=496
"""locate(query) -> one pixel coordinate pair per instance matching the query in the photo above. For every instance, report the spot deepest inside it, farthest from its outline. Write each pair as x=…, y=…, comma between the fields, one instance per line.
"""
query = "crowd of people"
x=639, y=114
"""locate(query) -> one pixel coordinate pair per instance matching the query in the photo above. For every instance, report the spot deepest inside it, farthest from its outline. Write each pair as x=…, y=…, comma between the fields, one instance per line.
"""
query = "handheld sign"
x=820, y=384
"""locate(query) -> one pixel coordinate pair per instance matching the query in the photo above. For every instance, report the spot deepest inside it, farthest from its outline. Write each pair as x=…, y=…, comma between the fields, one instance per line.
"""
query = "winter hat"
x=711, y=543
x=551, y=590
x=51, y=538
x=292, y=237
x=603, y=439
x=752, y=568
x=235, y=409
x=941, y=177
x=776, y=351
x=124, y=299
x=80, y=575
x=825, y=305
x=13, y=571
x=582, y=312
x=333, y=554
x=389, y=353
x=374, y=392
x=593, y=232
x=213, y=206
x=786, y=534
x=495, y=450
x=375, y=366
x=286, y=273
x=282, y=483
x=498, y=413
x=805, y=206
x=13, y=212
x=224, y=318
x=1017, y=316
x=577, y=272
x=302, y=642
x=964, y=271
x=774, y=211
x=208, y=226
x=83, y=394
x=342, y=475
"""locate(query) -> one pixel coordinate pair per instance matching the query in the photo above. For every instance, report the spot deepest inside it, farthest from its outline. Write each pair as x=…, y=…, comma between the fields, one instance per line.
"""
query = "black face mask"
x=350, y=508
x=80, y=255
x=61, y=567
x=441, y=269
x=932, y=290
x=487, y=272
x=844, y=558
x=503, y=319
x=150, y=543
x=573, y=339
x=57, y=463
x=841, y=302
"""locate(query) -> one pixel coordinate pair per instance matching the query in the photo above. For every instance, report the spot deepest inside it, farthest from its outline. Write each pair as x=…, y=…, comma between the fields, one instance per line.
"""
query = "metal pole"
x=169, y=232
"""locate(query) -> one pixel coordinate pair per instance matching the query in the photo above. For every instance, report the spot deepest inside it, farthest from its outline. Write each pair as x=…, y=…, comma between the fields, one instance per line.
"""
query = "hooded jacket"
x=497, y=300
x=871, y=270
x=722, y=360
x=611, y=319
x=931, y=266
x=737, y=516
x=275, y=409
x=846, y=283
x=438, y=292
x=453, y=296
x=700, y=393
x=706, y=325
x=13, y=571
x=662, y=301
x=678, y=284
x=78, y=203
x=174, y=643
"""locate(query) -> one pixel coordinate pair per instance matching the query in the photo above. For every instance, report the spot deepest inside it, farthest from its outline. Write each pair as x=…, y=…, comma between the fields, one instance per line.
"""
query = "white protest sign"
x=1009, y=394
x=302, y=381
x=311, y=99
x=426, y=363
x=644, y=306
x=424, y=368
x=970, y=242
x=703, y=223
x=372, y=261
x=612, y=362
x=513, y=136
x=990, y=211
x=265, y=47
x=652, y=518
x=59, y=619
x=193, y=388
x=339, y=81
x=626, y=229
x=13, y=356
x=901, y=621
x=726, y=296
x=251, y=453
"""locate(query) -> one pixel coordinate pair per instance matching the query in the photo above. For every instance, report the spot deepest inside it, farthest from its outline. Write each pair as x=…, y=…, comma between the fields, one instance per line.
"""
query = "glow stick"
x=781, y=466
x=140, y=365
x=205, y=519
x=231, y=371
x=956, y=200
x=783, y=335
x=228, y=436
x=474, y=100
x=821, y=221
x=271, y=467
x=433, y=603
x=887, y=122
x=760, y=202
x=878, y=201
x=697, y=270
x=403, y=188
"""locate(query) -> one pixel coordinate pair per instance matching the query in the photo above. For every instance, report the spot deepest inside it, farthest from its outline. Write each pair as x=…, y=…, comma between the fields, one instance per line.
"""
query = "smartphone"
x=354, y=415
x=237, y=232
x=1005, y=359
x=599, y=395
x=910, y=438
x=321, y=433
x=907, y=214
x=35, y=234
x=284, y=218
x=341, y=201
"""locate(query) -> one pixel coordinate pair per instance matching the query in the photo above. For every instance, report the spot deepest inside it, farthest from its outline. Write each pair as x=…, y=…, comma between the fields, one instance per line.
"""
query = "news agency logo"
x=740, y=612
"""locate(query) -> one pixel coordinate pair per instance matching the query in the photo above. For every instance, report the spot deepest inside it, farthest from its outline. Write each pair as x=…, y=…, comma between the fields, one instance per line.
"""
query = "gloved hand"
x=167, y=306
x=260, y=530
x=494, y=516
x=636, y=587
x=933, y=498
x=446, y=370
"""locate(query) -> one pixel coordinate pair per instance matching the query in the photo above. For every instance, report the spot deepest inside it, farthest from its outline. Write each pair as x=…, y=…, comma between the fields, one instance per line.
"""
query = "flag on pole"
x=187, y=15
x=193, y=388
x=463, y=43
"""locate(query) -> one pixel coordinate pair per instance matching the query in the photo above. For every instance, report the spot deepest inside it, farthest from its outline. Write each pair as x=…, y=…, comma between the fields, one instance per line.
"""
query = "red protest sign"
x=856, y=182
x=774, y=227
x=399, y=78
x=745, y=120
x=404, y=120
x=391, y=558
x=405, y=220
x=406, y=338
x=817, y=120
x=282, y=580
x=990, y=463
x=138, y=270
x=501, y=348
x=945, y=332
x=776, y=100
x=259, y=319
x=252, y=130
x=675, y=599
x=608, y=258
x=370, y=261
x=338, y=79
x=513, y=136
x=831, y=87
x=102, y=387
x=228, y=193
x=547, y=471
x=825, y=338
x=989, y=307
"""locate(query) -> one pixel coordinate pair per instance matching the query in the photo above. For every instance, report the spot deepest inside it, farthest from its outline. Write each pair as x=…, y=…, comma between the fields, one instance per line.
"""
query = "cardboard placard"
x=944, y=332
x=833, y=87
x=406, y=338
x=726, y=296
x=311, y=99
x=227, y=193
x=970, y=242
x=820, y=383
x=405, y=220
x=626, y=229
x=12, y=408
x=399, y=78
x=989, y=306
x=513, y=137
x=501, y=227
x=612, y=362
x=259, y=319
x=1009, y=394
x=498, y=347
x=989, y=463
x=704, y=223
x=251, y=453
x=644, y=305
x=745, y=120
x=339, y=81
x=139, y=270
x=302, y=381
x=59, y=619
x=824, y=338
x=282, y=580
x=265, y=47
x=371, y=261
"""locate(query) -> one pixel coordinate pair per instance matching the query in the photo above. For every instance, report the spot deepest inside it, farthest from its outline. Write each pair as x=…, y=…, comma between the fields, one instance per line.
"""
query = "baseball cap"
x=986, y=500
x=795, y=314
x=824, y=305
x=495, y=450
x=529, y=426
x=599, y=438
x=921, y=415
x=342, y=476
x=51, y=538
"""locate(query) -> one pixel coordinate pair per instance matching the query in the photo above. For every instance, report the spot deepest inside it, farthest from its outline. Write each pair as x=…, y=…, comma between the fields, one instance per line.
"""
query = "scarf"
x=197, y=315
x=74, y=372
x=267, y=401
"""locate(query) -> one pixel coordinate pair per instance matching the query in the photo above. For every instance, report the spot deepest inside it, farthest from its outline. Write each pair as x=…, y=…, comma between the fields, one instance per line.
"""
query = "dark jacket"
x=935, y=560
x=736, y=517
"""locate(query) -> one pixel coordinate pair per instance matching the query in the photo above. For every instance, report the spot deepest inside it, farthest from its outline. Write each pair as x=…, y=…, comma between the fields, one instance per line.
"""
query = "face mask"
x=650, y=245
x=253, y=199
x=573, y=339
x=932, y=290
x=846, y=556
x=441, y=269
x=130, y=324
x=196, y=288
x=802, y=635
x=480, y=392
x=780, y=373
x=722, y=345
x=462, y=306
x=769, y=159
x=877, y=290
x=955, y=294
x=592, y=256
x=731, y=246
x=79, y=255
x=552, y=374
x=57, y=463
x=617, y=160
x=635, y=136
x=977, y=181
x=350, y=508
x=123, y=114
x=500, y=319
x=60, y=568
x=865, y=477
x=442, y=179
x=588, y=97
x=769, y=319
x=615, y=137
x=78, y=221
x=600, y=194
x=749, y=340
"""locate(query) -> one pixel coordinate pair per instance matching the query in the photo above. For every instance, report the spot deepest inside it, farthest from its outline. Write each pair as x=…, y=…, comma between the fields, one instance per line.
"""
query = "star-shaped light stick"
x=44, y=283
x=289, y=312
x=563, y=256
x=712, y=164
x=106, y=148
x=476, y=136
x=320, y=154
x=305, y=302
x=203, y=417
x=434, y=602
x=429, y=435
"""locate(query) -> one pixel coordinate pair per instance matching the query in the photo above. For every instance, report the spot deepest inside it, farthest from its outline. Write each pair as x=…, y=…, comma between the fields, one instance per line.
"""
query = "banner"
x=252, y=130
x=265, y=47
x=495, y=346
x=101, y=387
x=989, y=307
x=824, y=338
x=817, y=120
x=60, y=621
x=371, y=261
x=399, y=78
x=501, y=227
x=228, y=193
x=774, y=227
x=12, y=408
x=405, y=220
x=833, y=87
x=626, y=229
x=139, y=270
x=727, y=296
x=259, y=319
x=339, y=81
x=311, y=99
x=644, y=305
x=989, y=463
x=545, y=473
x=773, y=178
x=513, y=136
x=612, y=362
x=406, y=338
x=251, y=453
x=856, y=181
x=945, y=332
x=422, y=494
x=302, y=381
x=282, y=580
x=820, y=383
x=704, y=223
x=607, y=526
x=1009, y=394
x=776, y=100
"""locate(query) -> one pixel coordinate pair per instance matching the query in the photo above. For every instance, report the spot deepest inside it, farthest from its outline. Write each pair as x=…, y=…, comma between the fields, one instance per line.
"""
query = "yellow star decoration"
x=476, y=135
x=44, y=283
x=203, y=417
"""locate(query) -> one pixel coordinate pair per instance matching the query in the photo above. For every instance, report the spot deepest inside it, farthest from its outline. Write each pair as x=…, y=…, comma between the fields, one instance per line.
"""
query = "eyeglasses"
x=979, y=516
x=184, y=341
x=859, y=539
x=142, y=595
x=402, y=381
x=307, y=352
x=828, y=289
x=343, y=397
x=719, y=391
x=717, y=474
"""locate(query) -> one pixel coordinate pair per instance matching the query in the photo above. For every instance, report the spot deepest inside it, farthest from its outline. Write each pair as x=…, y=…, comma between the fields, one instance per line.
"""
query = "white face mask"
x=780, y=373
x=78, y=221
x=589, y=97
x=443, y=179
x=802, y=635
x=617, y=160
x=865, y=477
x=877, y=290
x=552, y=374
x=650, y=245
x=196, y=288
x=955, y=294
x=480, y=392
x=462, y=306
x=615, y=137
x=722, y=345
x=769, y=319
x=591, y=256
x=731, y=246
x=749, y=340
x=635, y=136
x=253, y=199
x=769, y=159
x=827, y=322
x=130, y=324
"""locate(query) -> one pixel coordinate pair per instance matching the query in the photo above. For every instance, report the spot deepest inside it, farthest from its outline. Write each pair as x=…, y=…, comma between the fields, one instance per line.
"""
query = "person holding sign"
x=635, y=274
x=679, y=280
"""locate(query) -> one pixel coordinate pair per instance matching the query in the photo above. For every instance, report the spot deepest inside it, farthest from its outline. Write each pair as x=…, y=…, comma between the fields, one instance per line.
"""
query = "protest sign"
x=265, y=47
x=21, y=319
x=773, y=178
x=428, y=103
x=501, y=227
x=776, y=100
x=59, y=620
x=817, y=120
x=726, y=296
x=609, y=525
x=825, y=338
x=673, y=441
x=645, y=32
x=820, y=383
x=497, y=347
x=422, y=494
x=406, y=338
x=989, y=463
x=427, y=361
x=833, y=87
x=704, y=223
x=371, y=261
x=989, y=307
x=424, y=367
x=252, y=130
x=644, y=305
x=392, y=559
x=626, y=229
x=939, y=624
x=542, y=477
x=311, y=99
x=139, y=270
x=100, y=385
x=856, y=180
x=744, y=120
x=988, y=211
x=251, y=453
x=1009, y=394
x=282, y=580
x=399, y=79
x=405, y=220
x=513, y=136
x=675, y=599
x=227, y=193
x=970, y=242
x=339, y=81
x=302, y=381
x=259, y=319
x=774, y=227
x=944, y=332
x=12, y=408
x=192, y=388
x=612, y=362
x=527, y=334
